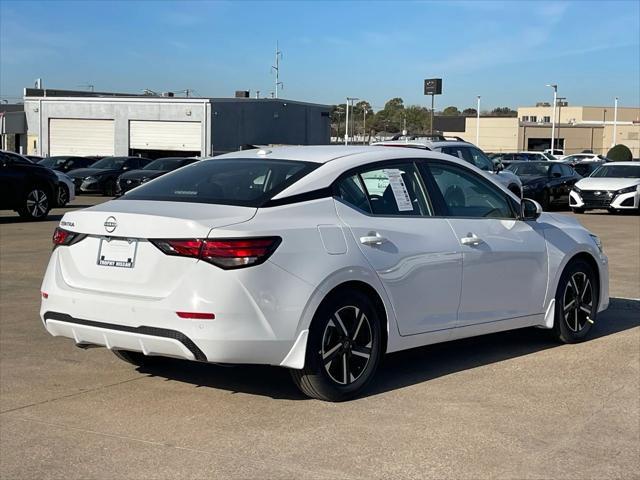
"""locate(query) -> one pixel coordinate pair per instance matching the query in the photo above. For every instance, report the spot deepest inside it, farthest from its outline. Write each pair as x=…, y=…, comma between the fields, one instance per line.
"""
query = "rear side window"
x=237, y=181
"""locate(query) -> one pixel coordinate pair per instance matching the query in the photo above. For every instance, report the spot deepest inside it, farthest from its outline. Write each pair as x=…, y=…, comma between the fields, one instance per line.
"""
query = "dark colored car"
x=585, y=169
x=28, y=188
x=158, y=167
x=102, y=175
x=546, y=182
x=33, y=158
x=66, y=163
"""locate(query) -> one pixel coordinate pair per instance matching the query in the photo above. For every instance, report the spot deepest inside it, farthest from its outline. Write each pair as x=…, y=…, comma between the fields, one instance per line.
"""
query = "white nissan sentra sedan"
x=320, y=260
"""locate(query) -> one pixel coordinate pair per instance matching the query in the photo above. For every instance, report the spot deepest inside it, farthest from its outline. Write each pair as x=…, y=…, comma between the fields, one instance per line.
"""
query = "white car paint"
x=434, y=286
x=583, y=157
x=608, y=188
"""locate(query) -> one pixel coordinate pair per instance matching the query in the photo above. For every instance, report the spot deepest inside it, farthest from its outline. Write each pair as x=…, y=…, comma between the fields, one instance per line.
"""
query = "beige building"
x=577, y=129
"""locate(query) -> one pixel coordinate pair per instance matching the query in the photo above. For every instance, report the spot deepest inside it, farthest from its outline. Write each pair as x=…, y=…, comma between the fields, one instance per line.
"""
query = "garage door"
x=156, y=135
x=80, y=137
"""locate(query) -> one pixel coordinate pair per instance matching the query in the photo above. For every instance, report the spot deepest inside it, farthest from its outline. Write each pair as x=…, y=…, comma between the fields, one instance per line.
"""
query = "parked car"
x=102, y=175
x=318, y=259
x=467, y=152
x=546, y=182
x=26, y=187
x=583, y=157
x=585, y=169
x=613, y=186
x=65, y=191
x=33, y=158
x=67, y=163
x=156, y=168
x=557, y=153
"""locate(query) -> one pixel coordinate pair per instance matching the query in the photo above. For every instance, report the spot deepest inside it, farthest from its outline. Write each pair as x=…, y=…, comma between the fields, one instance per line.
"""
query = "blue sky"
x=504, y=51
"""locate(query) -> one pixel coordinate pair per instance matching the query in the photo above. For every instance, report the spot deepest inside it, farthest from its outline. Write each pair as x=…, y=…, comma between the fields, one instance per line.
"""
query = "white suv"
x=465, y=151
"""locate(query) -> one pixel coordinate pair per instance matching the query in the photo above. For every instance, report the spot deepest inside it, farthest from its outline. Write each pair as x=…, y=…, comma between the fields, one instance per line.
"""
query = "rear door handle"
x=373, y=238
x=471, y=239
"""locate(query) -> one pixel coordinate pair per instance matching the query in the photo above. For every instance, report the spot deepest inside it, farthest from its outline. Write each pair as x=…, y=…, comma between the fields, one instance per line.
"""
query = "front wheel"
x=35, y=205
x=576, y=302
x=63, y=195
x=343, y=350
x=578, y=210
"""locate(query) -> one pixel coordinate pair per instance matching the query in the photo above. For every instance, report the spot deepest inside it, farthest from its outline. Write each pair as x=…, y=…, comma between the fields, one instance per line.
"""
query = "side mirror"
x=529, y=209
x=498, y=167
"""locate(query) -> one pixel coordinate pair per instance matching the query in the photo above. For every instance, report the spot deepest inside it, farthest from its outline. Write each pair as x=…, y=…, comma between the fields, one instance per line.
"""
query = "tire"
x=578, y=210
x=345, y=329
x=576, y=313
x=63, y=195
x=109, y=188
x=613, y=211
x=546, y=200
x=134, y=358
x=35, y=204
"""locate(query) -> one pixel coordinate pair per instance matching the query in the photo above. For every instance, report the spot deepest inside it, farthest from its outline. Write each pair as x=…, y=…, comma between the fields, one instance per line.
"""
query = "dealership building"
x=63, y=122
x=577, y=129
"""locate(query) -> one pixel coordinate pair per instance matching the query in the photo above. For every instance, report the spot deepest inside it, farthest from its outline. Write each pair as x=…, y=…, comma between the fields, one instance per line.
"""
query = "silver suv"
x=463, y=150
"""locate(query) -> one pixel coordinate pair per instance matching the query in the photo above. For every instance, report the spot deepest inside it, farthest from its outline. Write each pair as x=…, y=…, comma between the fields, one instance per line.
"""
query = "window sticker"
x=399, y=189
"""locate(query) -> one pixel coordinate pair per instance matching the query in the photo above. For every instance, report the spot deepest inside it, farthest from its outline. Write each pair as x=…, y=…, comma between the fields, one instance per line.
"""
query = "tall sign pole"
x=433, y=87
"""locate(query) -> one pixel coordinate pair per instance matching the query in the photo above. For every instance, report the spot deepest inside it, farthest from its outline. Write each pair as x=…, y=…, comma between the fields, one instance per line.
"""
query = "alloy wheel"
x=63, y=196
x=577, y=302
x=346, y=345
x=37, y=203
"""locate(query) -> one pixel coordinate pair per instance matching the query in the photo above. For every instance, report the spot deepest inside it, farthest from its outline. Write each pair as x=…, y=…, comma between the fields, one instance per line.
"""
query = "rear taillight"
x=225, y=253
x=65, y=237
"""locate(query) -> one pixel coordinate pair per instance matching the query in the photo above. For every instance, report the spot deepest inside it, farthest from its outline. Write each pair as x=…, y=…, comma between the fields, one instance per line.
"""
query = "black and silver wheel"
x=63, y=195
x=36, y=204
x=343, y=349
x=576, y=302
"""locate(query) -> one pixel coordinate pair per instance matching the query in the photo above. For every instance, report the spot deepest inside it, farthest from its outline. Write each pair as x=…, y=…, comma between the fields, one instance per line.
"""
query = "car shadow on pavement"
x=397, y=370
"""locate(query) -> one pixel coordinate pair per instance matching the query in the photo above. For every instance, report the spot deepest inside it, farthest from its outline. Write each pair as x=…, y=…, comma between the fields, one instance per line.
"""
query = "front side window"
x=237, y=181
x=465, y=194
x=480, y=160
x=394, y=190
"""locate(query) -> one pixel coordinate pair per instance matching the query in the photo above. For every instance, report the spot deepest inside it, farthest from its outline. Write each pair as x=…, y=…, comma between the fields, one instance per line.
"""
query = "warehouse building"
x=578, y=128
x=63, y=122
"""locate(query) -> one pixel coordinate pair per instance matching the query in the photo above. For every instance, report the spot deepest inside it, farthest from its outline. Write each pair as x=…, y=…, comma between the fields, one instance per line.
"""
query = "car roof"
x=431, y=144
x=334, y=160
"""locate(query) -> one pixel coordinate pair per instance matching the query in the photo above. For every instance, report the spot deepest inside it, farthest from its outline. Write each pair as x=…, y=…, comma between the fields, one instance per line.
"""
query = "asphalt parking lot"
x=510, y=405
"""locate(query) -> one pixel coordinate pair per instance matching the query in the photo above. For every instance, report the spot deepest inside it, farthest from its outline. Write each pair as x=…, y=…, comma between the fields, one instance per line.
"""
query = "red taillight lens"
x=65, y=237
x=224, y=253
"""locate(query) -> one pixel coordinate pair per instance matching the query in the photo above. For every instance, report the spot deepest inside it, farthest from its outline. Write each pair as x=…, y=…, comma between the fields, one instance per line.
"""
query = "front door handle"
x=471, y=239
x=373, y=238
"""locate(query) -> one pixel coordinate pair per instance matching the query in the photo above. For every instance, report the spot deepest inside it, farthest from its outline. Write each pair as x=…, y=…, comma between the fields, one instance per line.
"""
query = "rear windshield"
x=234, y=181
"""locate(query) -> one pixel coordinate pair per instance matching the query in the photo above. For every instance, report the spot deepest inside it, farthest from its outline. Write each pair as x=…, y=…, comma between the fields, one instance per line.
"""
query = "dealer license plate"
x=117, y=252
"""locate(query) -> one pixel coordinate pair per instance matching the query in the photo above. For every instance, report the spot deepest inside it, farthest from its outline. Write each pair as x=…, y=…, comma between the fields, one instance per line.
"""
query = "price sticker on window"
x=399, y=189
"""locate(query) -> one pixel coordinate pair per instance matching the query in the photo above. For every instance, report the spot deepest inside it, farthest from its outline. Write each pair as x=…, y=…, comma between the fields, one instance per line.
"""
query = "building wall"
x=581, y=114
x=628, y=135
x=40, y=110
x=497, y=134
x=576, y=138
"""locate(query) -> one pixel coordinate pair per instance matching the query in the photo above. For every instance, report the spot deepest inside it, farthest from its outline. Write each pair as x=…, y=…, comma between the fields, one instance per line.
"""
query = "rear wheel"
x=576, y=302
x=36, y=204
x=343, y=350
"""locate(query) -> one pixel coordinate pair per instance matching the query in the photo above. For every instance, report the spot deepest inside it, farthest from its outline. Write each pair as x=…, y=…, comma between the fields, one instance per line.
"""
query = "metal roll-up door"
x=159, y=135
x=70, y=136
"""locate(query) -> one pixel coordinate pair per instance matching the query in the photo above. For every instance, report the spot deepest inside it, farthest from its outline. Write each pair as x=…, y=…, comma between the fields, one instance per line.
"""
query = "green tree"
x=468, y=112
x=503, y=112
x=451, y=111
x=620, y=153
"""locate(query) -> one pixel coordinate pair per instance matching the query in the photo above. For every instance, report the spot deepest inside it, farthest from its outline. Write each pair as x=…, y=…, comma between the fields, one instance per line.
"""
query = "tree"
x=469, y=112
x=620, y=153
x=503, y=112
x=451, y=111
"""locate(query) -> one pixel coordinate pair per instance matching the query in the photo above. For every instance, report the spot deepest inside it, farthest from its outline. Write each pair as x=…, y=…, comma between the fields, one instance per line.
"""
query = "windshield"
x=584, y=169
x=237, y=181
x=617, y=171
x=529, y=169
x=164, y=164
x=549, y=156
x=109, y=162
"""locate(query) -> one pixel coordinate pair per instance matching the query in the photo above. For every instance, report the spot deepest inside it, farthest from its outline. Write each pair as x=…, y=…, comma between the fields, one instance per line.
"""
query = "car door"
x=570, y=177
x=415, y=254
x=557, y=184
x=11, y=181
x=504, y=258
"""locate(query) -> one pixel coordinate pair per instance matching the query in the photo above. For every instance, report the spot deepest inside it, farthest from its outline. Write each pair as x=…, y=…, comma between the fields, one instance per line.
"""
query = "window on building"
x=525, y=118
x=534, y=118
x=546, y=119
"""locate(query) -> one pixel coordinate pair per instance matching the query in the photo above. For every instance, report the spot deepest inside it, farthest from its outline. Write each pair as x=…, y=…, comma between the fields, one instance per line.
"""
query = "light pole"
x=615, y=122
x=553, y=117
x=478, y=124
x=364, y=124
x=346, y=135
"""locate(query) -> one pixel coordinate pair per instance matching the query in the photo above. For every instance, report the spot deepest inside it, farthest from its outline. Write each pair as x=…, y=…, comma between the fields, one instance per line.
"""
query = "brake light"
x=65, y=237
x=196, y=315
x=225, y=253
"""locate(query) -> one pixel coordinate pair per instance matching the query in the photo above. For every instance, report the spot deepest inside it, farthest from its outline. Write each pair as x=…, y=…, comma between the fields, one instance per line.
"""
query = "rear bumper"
x=255, y=322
